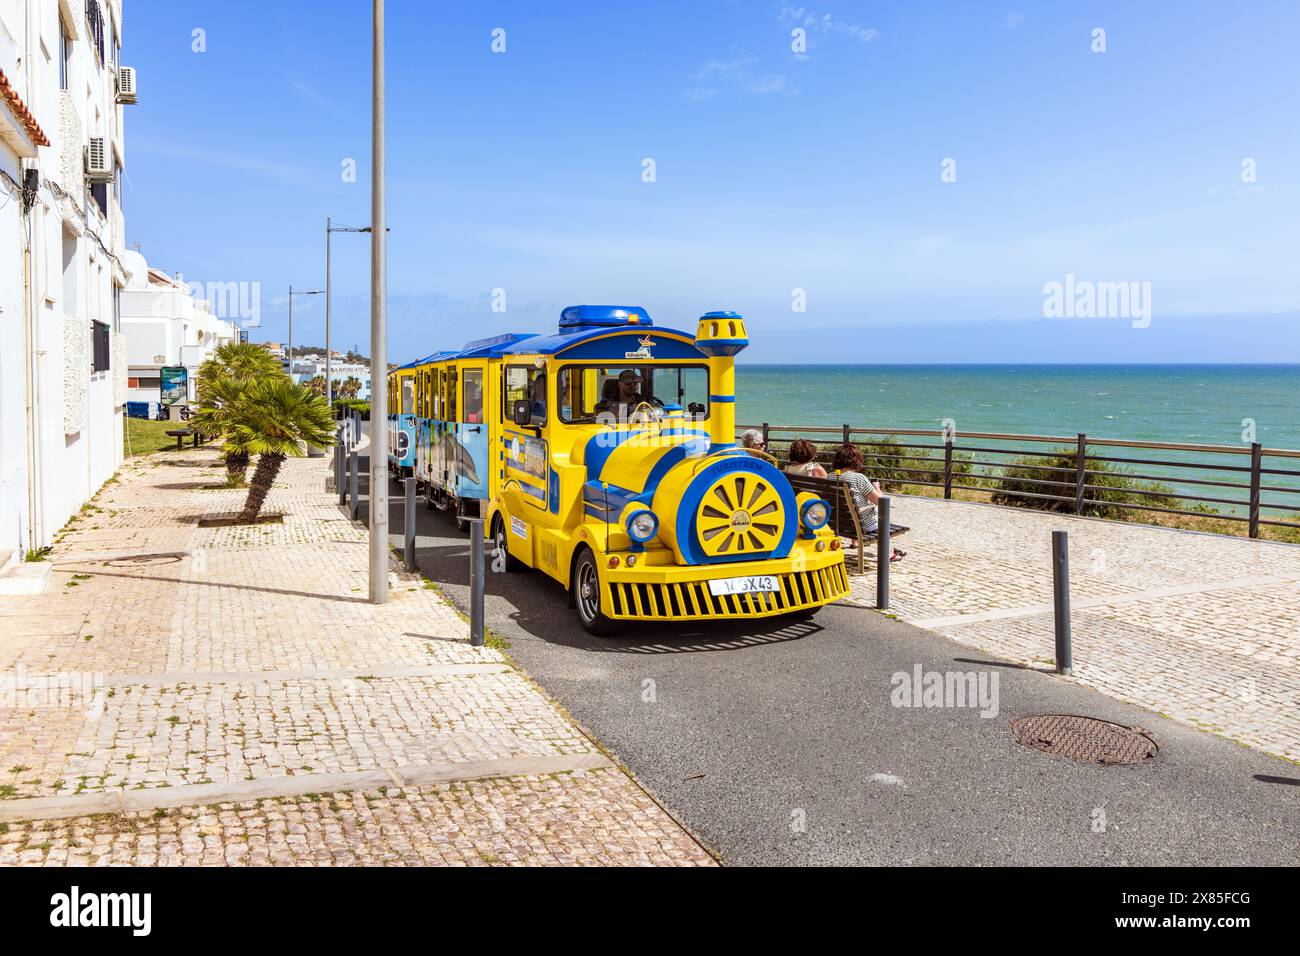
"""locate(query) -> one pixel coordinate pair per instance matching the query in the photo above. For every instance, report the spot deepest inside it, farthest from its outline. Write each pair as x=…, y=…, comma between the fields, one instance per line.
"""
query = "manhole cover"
x=136, y=560
x=1085, y=739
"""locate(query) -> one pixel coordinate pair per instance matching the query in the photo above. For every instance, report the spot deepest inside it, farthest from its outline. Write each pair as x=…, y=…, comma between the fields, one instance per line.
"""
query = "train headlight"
x=814, y=514
x=642, y=526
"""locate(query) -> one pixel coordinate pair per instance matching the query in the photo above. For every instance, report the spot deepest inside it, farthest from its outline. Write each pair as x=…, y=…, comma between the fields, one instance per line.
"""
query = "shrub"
x=342, y=405
x=1117, y=486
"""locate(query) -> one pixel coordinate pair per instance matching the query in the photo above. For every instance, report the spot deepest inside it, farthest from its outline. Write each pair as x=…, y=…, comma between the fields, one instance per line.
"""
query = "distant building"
x=165, y=326
x=307, y=369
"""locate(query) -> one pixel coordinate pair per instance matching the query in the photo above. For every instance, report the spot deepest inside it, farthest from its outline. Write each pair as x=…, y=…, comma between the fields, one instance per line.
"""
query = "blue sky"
x=774, y=170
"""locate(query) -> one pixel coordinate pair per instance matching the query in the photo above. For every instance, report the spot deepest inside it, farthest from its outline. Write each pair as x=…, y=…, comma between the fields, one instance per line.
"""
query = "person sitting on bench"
x=802, y=460
x=865, y=494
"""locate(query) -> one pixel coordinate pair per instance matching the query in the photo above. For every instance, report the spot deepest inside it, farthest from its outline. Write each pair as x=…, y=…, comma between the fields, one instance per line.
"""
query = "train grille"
x=688, y=599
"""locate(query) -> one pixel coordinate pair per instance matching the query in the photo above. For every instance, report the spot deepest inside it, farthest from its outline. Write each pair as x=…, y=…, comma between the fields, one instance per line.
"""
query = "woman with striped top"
x=863, y=491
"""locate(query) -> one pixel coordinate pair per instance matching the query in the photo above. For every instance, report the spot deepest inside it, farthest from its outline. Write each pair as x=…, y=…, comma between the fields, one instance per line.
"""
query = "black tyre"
x=500, y=548
x=586, y=598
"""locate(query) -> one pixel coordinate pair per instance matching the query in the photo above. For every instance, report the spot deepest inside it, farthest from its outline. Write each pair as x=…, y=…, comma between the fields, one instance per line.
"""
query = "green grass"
x=144, y=437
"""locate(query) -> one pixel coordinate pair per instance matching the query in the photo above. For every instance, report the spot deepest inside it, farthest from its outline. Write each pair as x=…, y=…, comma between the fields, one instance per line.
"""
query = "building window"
x=95, y=20
x=65, y=56
x=100, y=333
x=147, y=382
x=99, y=193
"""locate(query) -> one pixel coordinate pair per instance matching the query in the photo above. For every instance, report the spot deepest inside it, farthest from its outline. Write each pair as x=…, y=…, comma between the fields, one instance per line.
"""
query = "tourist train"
x=605, y=456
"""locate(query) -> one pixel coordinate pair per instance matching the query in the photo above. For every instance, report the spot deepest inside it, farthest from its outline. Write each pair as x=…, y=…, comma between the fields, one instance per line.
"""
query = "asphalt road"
x=776, y=742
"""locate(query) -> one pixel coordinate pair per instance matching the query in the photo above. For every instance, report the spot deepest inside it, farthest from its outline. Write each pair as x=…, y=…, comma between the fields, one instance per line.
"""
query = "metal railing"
x=1069, y=474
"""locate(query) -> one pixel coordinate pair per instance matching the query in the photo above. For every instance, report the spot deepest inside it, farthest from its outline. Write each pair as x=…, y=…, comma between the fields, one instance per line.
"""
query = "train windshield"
x=617, y=393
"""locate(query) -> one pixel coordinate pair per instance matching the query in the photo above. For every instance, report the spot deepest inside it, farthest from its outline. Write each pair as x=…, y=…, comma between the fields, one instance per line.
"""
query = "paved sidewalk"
x=227, y=695
x=1201, y=628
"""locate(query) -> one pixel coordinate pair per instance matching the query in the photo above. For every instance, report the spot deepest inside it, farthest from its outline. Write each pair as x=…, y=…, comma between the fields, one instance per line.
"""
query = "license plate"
x=759, y=582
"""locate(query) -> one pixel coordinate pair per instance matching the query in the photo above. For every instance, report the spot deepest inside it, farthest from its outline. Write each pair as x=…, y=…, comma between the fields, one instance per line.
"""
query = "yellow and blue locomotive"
x=604, y=455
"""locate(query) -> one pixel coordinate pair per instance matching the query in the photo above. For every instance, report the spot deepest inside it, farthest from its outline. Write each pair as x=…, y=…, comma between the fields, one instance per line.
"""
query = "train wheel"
x=462, y=522
x=500, y=549
x=586, y=598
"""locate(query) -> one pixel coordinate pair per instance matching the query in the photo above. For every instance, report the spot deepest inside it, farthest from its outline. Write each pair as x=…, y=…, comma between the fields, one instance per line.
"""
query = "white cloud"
x=736, y=74
x=809, y=19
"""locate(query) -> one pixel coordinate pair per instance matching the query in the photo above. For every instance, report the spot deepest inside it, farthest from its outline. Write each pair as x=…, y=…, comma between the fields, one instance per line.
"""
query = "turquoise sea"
x=1201, y=404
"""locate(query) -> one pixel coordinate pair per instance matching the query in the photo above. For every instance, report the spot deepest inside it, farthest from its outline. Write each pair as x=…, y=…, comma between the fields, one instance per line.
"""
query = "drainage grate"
x=1085, y=739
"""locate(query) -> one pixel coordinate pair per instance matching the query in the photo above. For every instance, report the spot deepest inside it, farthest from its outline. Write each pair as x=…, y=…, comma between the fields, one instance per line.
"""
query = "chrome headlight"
x=815, y=513
x=642, y=526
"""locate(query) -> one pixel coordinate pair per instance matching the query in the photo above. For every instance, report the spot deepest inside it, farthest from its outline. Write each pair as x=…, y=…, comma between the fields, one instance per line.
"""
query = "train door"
x=526, y=460
x=472, y=462
x=402, y=440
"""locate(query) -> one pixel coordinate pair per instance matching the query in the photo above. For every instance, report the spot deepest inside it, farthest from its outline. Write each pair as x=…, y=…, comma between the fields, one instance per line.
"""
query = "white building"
x=165, y=326
x=62, y=356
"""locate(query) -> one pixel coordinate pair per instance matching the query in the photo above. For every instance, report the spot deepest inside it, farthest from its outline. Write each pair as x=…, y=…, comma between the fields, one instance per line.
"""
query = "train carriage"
x=604, y=455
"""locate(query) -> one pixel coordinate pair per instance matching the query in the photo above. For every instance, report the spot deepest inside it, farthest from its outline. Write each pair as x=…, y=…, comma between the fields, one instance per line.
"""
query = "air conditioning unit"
x=99, y=162
x=126, y=84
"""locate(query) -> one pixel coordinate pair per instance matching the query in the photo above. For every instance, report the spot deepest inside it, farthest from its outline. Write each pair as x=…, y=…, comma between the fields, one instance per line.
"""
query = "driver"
x=630, y=395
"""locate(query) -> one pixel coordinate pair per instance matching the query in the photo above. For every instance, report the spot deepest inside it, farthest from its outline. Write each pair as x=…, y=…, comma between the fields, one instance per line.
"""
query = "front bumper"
x=675, y=593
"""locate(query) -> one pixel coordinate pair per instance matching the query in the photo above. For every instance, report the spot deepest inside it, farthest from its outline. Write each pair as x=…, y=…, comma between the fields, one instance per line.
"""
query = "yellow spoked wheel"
x=740, y=514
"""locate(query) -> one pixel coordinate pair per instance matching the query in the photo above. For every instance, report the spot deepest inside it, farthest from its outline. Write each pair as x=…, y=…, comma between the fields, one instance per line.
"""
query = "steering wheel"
x=647, y=412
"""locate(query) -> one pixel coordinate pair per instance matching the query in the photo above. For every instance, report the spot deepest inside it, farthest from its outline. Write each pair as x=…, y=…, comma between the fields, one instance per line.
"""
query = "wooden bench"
x=844, y=520
x=180, y=434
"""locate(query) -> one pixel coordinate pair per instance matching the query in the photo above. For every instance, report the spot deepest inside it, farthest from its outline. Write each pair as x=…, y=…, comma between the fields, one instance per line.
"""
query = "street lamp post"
x=292, y=293
x=330, y=229
x=378, y=328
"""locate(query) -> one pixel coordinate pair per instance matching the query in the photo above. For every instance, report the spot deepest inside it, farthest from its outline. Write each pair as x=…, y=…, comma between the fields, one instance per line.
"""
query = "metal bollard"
x=338, y=465
x=353, y=485
x=408, y=522
x=1061, y=601
x=883, y=552
x=476, y=571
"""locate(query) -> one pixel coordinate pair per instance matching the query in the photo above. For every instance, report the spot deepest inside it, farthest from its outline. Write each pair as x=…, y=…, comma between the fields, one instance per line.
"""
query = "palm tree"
x=242, y=360
x=221, y=381
x=350, y=387
x=273, y=419
x=317, y=384
x=213, y=416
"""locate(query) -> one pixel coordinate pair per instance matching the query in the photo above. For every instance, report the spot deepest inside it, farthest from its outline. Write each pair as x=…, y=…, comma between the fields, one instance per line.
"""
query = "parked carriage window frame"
x=472, y=402
x=408, y=394
x=449, y=396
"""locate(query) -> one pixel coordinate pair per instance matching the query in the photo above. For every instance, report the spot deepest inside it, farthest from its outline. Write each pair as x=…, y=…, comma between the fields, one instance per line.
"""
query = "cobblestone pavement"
x=184, y=694
x=1202, y=628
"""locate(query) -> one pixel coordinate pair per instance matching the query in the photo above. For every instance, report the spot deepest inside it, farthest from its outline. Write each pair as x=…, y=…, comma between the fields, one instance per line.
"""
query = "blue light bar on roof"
x=589, y=316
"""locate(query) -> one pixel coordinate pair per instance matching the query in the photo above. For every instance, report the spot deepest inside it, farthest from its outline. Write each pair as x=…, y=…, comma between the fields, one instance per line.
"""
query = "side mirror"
x=521, y=413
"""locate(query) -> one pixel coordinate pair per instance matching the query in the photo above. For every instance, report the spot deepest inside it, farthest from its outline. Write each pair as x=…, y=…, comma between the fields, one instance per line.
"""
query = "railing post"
x=765, y=435
x=1080, y=473
x=476, y=571
x=408, y=523
x=883, y=553
x=947, y=468
x=1061, y=601
x=353, y=484
x=1256, y=466
x=846, y=434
